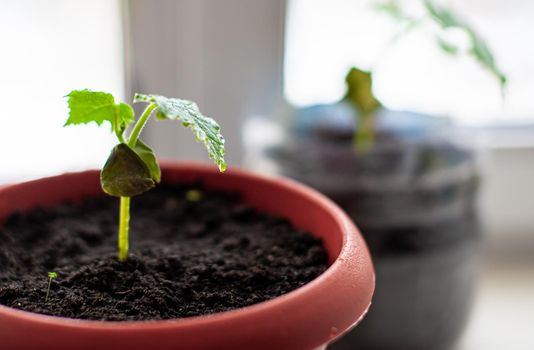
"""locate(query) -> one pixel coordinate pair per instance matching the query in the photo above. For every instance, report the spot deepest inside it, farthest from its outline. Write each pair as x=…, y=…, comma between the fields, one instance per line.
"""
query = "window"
x=325, y=38
x=48, y=49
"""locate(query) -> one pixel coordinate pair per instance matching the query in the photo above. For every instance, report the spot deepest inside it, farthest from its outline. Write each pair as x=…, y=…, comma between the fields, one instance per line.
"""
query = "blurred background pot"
x=412, y=194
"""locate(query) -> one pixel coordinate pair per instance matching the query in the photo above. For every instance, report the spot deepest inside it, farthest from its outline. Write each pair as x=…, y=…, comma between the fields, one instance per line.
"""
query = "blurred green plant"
x=446, y=19
x=359, y=83
x=360, y=96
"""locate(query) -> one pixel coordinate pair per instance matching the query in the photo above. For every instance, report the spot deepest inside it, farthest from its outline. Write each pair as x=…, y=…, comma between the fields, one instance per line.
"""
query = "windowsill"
x=505, y=135
x=503, y=313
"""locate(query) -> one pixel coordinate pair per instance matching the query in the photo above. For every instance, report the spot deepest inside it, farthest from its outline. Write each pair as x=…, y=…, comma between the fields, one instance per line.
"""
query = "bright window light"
x=48, y=49
x=324, y=38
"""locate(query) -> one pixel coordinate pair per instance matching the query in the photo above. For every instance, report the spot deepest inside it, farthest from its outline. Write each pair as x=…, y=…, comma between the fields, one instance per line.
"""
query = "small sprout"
x=360, y=96
x=51, y=275
x=132, y=168
x=193, y=195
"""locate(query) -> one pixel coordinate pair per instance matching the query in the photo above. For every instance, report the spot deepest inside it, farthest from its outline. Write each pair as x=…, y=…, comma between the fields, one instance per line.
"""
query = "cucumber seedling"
x=132, y=168
x=51, y=275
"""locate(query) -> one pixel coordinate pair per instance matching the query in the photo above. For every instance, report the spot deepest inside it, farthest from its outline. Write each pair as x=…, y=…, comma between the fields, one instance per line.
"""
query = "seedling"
x=132, y=168
x=51, y=275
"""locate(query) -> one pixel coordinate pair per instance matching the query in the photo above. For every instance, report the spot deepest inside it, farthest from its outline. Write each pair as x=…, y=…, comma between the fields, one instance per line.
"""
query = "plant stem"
x=117, y=131
x=124, y=222
x=364, y=137
x=124, y=216
x=140, y=124
x=120, y=137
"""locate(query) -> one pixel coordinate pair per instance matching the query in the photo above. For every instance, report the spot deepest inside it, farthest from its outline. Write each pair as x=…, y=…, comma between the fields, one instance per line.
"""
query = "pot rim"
x=353, y=250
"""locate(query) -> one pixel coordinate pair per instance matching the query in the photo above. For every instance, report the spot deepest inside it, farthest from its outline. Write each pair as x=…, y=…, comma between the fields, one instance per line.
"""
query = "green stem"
x=120, y=137
x=117, y=131
x=364, y=137
x=140, y=124
x=124, y=216
x=124, y=222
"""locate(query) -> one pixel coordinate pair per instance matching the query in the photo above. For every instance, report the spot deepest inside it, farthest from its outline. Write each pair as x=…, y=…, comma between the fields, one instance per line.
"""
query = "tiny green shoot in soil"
x=132, y=168
x=51, y=275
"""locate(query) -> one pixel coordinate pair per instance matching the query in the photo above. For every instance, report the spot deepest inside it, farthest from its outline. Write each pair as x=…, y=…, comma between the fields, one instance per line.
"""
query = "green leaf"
x=125, y=174
x=86, y=106
x=447, y=47
x=125, y=115
x=482, y=53
x=89, y=106
x=479, y=50
x=391, y=8
x=52, y=275
x=443, y=16
x=206, y=130
x=148, y=156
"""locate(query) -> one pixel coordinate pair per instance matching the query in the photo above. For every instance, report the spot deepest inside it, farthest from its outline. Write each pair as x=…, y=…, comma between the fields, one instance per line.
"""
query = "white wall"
x=225, y=55
x=46, y=50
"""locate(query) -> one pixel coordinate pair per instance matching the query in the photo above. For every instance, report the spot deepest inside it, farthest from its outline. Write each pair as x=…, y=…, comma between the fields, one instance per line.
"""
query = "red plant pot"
x=307, y=318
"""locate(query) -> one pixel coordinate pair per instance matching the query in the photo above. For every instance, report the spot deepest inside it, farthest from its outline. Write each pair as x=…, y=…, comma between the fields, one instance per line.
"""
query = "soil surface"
x=188, y=257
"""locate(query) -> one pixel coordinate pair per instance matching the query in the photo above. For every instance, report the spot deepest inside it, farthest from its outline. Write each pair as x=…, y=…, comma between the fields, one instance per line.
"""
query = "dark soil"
x=187, y=258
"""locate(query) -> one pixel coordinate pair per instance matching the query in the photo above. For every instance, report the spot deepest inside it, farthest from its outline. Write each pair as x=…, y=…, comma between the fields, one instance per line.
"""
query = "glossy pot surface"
x=309, y=317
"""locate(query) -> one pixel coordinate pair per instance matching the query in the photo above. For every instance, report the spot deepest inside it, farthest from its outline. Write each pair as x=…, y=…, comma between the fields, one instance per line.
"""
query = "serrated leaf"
x=90, y=106
x=86, y=106
x=206, y=130
x=148, y=156
x=125, y=174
